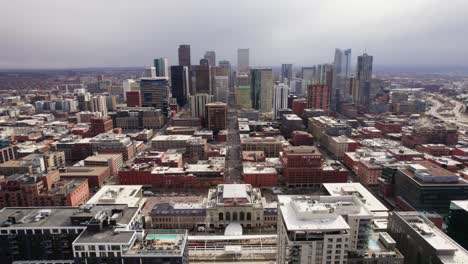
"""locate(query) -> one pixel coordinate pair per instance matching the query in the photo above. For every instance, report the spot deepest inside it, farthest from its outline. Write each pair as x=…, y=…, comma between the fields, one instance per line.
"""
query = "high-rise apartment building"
x=262, y=89
x=198, y=104
x=308, y=73
x=323, y=74
x=243, y=61
x=129, y=85
x=201, y=82
x=99, y=104
x=162, y=67
x=341, y=72
x=243, y=91
x=180, y=84
x=184, y=55
x=227, y=65
x=364, y=76
x=320, y=229
x=342, y=62
x=317, y=96
x=216, y=116
x=211, y=57
x=155, y=93
x=280, y=98
x=286, y=73
x=364, y=67
x=150, y=72
x=220, y=83
x=133, y=98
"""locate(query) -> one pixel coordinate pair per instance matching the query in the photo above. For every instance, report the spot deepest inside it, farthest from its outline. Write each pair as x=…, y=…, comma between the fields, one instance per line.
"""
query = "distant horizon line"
x=277, y=65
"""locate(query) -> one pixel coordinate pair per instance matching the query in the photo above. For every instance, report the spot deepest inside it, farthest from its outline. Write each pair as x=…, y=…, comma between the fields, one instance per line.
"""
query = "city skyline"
x=39, y=41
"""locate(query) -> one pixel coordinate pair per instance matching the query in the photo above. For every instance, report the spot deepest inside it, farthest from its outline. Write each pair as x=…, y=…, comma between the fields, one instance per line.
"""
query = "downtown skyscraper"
x=341, y=72
x=262, y=89
x=162, y=67
x=342, y=63
x=180, y=84
x=286, y=73
x=243, y=61
x=184, y=55
x=280, y=98
x=364, y=77
x=211, y=57
x=364, y=67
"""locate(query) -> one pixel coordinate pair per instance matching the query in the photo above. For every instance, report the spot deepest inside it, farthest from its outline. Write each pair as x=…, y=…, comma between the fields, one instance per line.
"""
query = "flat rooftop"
x=84, y=171
x=46, y=217
x=447, y=250
x=159, y=243
x=259, y=169
x=107, y=236
x=318, y=213
x=355, y=188
x=302, y=150
x=171, y=137
x=102, y=157
x=130, y=195
x=232, y=191
x=427, y=173
x=459, y=205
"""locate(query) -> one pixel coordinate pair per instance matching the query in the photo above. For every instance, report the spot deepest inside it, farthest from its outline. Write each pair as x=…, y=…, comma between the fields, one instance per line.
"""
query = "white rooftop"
x=301, y=213
x=459, y=205
x=448, y=251
x=119, y=194
x=370, y=202
x=261, y=169
x=231, y=191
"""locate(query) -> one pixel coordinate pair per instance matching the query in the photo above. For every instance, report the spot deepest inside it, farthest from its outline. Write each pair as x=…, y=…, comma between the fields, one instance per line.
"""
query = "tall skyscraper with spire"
x=364, y=67
x=364, y=77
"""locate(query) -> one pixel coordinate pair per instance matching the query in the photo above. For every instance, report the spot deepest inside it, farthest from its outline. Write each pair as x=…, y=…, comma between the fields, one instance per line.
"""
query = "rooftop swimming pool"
x=160, y=237
x=373, y=245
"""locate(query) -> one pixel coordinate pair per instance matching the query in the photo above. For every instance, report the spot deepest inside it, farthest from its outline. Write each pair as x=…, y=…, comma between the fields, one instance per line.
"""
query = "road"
x=233, y=152
x=460, y=119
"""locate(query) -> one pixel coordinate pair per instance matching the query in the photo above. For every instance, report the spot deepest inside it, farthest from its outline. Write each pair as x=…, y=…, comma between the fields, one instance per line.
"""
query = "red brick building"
x=21, y=190
x=388, y=126
x=95, y=175
x=368, y=172
x=369, y=132
x=100, y=125
x=431, y=133
x=191, y=176
x=317, y=96
x=459, y=151
x=216, y=116
x=302, y=166
x=434, y=149
x=298, y=106
x=302, y=138
x=260, y=176
x=133, y=99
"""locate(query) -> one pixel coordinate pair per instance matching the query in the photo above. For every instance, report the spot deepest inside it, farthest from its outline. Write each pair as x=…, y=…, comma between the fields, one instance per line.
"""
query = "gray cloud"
x=87, y=33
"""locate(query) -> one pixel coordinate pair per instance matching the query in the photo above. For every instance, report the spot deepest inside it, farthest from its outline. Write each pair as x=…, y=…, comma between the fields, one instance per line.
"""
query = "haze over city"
x=74, y=34
x=260, y=132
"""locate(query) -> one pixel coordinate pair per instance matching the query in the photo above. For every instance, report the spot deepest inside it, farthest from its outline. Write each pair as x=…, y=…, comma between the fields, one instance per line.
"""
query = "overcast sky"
x=94, y=33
